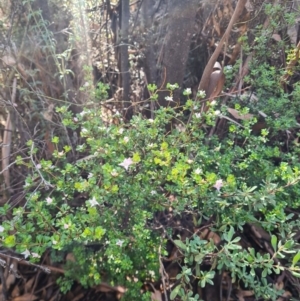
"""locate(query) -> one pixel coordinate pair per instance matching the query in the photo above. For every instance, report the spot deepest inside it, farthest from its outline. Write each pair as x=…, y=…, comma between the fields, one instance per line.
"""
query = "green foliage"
x=108, y=199
x=102, y=208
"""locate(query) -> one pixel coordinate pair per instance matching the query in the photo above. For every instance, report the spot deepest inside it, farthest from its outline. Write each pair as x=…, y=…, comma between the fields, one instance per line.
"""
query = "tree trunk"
x=125, y=15
x=150, y=60
x=176, y=45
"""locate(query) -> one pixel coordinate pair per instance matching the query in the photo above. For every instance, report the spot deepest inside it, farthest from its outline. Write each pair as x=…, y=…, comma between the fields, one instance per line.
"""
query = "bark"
x=150, y=53
x=150, y=57
x=125, y=15
x=176, y=45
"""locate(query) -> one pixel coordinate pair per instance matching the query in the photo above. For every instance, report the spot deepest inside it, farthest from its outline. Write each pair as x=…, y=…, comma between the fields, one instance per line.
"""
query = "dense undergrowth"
x=103, y=206
x=235, y=165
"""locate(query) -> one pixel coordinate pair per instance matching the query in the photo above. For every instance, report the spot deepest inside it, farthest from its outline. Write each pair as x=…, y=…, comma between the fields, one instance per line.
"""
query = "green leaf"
x=274, y=242
x=277, y=270
x=55, y=140
x=252, y=189
x=197, y=270
x=289, y=244
x=233, y=247
x=209, y=281
x=296, y=258
x=230, y=234
x=175, y=292
x=180, y=244
x=264, y=273
x=237, y=239
x=202, y=283
x=10, y=241
x=210, y=275
x=99, y=232
x=252, y=252
x=296, y=274
x=199, y=258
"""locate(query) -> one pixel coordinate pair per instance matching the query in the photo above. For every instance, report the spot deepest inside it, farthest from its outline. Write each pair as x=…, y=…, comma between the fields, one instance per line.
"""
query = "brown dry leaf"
x=106, y=288
x=207, y=234
x=286, y=296
x=156, y=296
x=15, y=292
x=10, y=280
x=242, y=294
x=216, y=26
x=276, y=37
x=28, y=284
x=237, y=114
x=120, y=289
x=26, y=297
x=70, y=257
x=249, y=6
x=9, y=60
x=103, y=288
x=259, y=232
x=48, y=114
x=81, y=295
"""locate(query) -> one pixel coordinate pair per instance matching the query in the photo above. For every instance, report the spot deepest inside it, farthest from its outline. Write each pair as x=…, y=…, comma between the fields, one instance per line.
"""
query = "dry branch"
x=7, y=141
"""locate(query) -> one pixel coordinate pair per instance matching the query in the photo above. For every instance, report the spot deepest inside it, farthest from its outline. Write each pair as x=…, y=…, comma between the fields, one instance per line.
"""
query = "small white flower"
x=93, y=202
x=38, y=166
x=82, y=113
x=90, y=175
x=153, y=192
x=66, y=226
x=188, y=91
x=189, y=161
x=84, y=130
x=198, y=171
x=121, y=130
x=126, y=139
x=151, y=120
x=54, y=242
x=198, y=115
x=213, y=103
x=1, y=229
x=26, y=185
x=86, y=84
x=114, y=173
x=49, y=201
x=201, y=94
x=75, y=119
x=26, y=253
x=126, y=163
x=35, y=255
x=61, y=153
x=169, y=98
x=119, y=242
x=217, y=112
x=219, y=184
x=228, y=67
